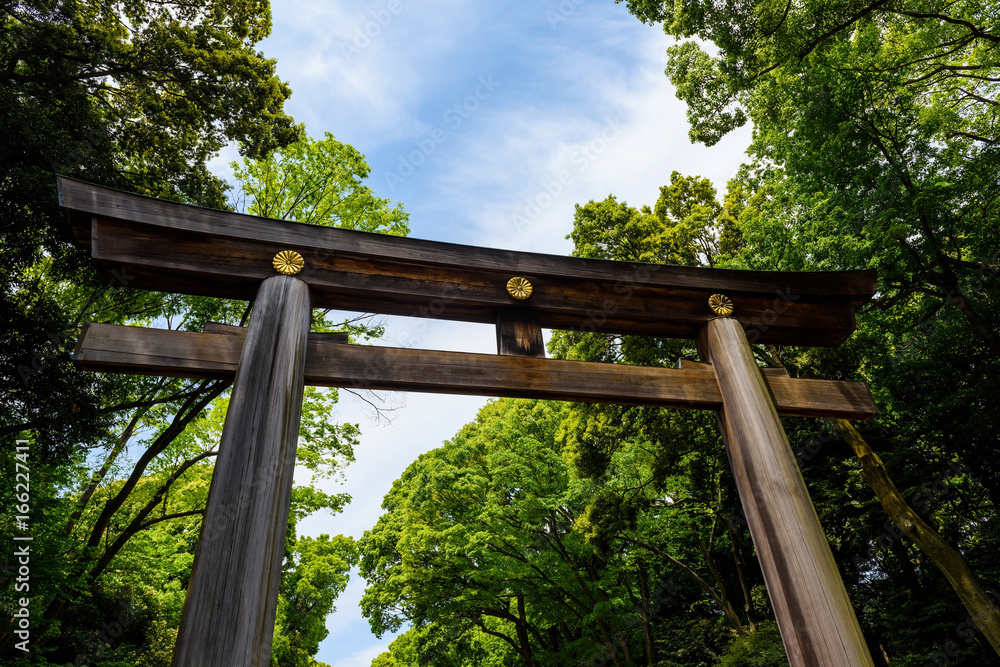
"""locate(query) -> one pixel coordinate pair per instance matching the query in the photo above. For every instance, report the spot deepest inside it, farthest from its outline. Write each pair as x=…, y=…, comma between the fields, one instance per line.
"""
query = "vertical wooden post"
x=518, y=333
x=817, y=623
x=232, y=598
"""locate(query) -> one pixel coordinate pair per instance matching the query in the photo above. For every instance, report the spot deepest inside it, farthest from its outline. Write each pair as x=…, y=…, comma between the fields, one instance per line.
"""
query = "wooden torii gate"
x=289, y=268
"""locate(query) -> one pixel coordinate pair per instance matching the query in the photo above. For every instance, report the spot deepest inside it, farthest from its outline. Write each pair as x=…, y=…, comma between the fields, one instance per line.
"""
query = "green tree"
x=481, y=533
x=316, y=573
x=683, y=228
x=137, y=96
x=431, y=645
x=673, y=458
x=665, y=491
x=875, y=146
x=942, y=52
x=318, y=182
x=113, y=489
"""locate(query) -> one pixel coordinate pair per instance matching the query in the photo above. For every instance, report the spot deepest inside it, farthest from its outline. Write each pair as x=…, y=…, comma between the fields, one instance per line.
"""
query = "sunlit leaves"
x=319, y=182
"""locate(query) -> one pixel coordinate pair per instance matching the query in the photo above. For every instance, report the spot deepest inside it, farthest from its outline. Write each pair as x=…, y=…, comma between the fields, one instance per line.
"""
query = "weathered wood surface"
x=111, y=348
x=167, y=246
x=518, y=333
x=229, y=611
x=818, y=625
x=219, y=328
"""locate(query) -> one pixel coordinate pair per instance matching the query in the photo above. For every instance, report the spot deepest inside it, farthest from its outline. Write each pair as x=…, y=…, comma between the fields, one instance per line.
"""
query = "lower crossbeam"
x=330, y=363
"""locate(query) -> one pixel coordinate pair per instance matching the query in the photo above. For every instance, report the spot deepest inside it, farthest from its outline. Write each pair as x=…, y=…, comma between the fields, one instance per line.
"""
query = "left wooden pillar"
x=228, y=617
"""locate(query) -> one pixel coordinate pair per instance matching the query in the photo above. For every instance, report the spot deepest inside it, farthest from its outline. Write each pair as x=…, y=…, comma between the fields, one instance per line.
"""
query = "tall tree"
x=770, y=230
x=481, y=533
x=943, y=52
x=136, y=95
x=112, y=489
x=875, y=145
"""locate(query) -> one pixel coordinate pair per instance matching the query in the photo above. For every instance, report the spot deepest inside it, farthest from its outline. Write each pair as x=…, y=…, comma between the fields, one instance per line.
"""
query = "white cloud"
x=362, y=658
x=344, y=620
x=520, y=174
x=357, y=65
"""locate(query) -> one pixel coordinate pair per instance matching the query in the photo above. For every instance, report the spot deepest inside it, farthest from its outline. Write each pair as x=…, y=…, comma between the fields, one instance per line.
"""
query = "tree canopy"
x=140, y=96
x=942, y=52
x=649, y=500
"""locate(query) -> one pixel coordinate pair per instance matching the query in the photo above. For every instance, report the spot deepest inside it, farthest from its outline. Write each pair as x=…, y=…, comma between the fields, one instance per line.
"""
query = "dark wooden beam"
x=172, y=247
x=229, y=329
x=110, y=348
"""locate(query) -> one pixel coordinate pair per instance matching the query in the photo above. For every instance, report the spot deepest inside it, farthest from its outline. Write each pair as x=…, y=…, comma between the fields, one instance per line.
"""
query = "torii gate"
x=229, y=612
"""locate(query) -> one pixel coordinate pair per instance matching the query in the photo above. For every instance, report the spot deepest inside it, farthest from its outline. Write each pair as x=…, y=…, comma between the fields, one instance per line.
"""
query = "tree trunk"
x=741, y=575
x=522, y=633
x=646, y=634
x=972, y=594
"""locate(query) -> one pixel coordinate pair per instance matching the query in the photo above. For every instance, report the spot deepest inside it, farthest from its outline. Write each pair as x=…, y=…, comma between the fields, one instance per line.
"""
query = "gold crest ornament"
x=519, y=288
x=720, y=304
x=288, y=262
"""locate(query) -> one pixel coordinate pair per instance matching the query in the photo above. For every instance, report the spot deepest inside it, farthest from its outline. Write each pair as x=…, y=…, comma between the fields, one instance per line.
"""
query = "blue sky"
x=488, y=120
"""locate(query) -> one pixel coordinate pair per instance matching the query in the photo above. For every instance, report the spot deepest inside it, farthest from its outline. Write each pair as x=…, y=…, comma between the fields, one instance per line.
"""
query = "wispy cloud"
x=358, y=64
x=621, y=131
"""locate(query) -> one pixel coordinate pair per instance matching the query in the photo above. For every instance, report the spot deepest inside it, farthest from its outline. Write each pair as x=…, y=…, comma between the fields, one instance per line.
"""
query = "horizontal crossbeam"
x=331, y=363
x=170, y=247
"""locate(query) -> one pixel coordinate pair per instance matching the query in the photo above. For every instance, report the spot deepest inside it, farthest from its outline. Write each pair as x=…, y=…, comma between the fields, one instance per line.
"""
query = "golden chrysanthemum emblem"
x=720, y=304
x=519, y=288
x=288, y=262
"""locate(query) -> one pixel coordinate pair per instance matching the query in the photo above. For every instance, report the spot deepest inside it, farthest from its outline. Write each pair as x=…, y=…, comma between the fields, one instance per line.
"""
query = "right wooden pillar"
x=817, y=622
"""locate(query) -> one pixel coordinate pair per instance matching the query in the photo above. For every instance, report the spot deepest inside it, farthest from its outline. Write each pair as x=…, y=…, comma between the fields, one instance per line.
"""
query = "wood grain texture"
x=232, y=330
x=518, y=333
x=232, y=598
x=172, y=247
x=111, y=348
x=817, y=622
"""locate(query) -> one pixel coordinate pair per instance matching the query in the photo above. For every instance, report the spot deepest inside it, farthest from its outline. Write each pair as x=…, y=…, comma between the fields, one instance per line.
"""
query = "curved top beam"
x=171, y=247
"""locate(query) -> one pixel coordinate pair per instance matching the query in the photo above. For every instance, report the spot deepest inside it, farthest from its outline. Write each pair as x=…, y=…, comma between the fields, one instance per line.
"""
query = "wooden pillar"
x=232, y=598
x=817, y=623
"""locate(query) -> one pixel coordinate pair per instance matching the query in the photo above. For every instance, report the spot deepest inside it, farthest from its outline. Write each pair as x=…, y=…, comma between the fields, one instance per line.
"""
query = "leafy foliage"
x=941, y=52
x=318, y=182
x=140, y=96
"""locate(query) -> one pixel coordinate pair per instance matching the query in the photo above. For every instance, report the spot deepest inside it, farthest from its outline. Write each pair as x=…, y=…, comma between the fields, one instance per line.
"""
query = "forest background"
x=541, y=533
